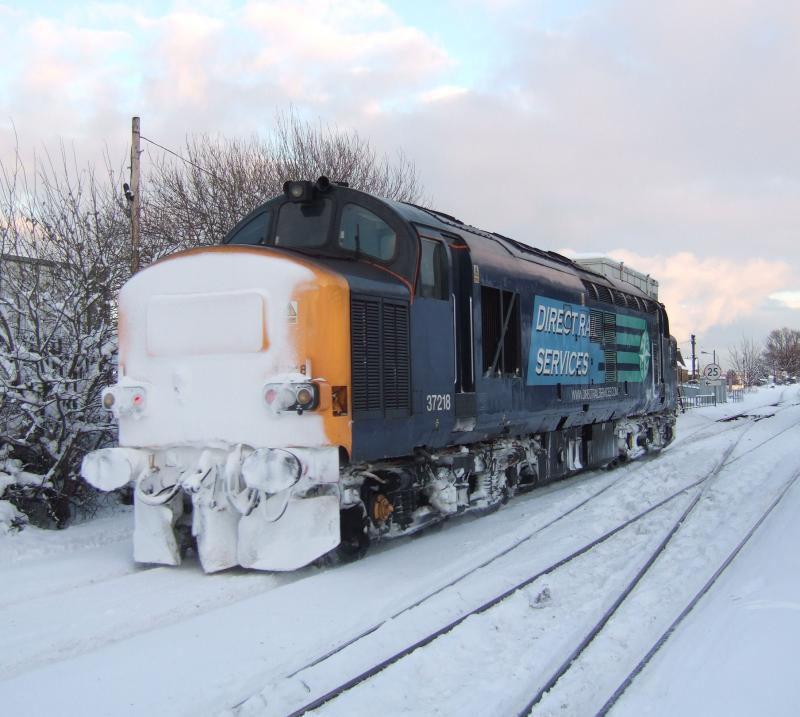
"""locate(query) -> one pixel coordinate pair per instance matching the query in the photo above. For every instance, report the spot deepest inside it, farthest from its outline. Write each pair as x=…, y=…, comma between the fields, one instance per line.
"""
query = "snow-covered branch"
x=63, y=255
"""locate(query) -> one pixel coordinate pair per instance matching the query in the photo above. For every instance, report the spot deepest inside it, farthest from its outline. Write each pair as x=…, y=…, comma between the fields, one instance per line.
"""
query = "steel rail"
x=562, y=669
x=383, y=664
x=612, y=700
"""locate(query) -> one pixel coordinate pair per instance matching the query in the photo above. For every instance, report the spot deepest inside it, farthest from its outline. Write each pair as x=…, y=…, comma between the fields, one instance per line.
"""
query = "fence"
x=697, y=396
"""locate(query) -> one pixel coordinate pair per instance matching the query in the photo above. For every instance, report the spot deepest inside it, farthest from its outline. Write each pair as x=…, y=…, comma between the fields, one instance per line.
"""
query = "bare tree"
x=63, y=253
x=782, y=351
x=195, y=202
x=746, y=360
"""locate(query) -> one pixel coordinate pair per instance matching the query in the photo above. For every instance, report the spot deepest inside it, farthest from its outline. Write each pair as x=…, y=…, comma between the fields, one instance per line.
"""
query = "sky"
x=666, y=135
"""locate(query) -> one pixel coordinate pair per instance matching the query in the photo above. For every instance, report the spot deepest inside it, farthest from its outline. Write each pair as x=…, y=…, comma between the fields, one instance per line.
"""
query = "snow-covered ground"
x=83, y=631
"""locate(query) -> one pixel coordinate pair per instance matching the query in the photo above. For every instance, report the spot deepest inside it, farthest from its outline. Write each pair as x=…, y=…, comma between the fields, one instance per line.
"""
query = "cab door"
x=442, y=337
x=461, y=286
x=433, y=366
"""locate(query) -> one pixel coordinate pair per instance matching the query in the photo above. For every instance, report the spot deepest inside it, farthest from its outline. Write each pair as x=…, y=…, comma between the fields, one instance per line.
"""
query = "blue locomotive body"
x=479, y=364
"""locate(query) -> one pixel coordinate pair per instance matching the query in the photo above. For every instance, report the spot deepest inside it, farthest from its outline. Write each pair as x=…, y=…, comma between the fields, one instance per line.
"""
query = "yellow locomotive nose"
x=230, y=359
x=215, y=332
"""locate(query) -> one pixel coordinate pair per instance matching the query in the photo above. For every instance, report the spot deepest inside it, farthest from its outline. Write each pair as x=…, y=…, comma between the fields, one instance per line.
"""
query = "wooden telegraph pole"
x=136, y=203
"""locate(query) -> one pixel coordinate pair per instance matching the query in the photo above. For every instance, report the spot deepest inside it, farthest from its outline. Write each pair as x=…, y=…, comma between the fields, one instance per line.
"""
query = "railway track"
x=566, y=664
x=494, y=601
x=664, y=636
x=631, y=470
x=701, y=433
x=645, y=569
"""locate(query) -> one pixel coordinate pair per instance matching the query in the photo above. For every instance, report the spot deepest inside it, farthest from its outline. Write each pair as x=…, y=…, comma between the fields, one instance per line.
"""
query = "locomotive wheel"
x=354, y=536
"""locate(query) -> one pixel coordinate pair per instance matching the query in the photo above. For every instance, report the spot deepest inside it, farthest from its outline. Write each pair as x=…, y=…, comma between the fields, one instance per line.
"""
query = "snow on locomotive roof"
x=627, y=280
x=612, y=269
x=423, y=215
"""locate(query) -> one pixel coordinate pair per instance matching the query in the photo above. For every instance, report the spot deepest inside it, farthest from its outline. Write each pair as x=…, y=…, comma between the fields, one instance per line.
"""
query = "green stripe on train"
x=631, y=322
x=628, y=357
x=629, y=339
x=639, y=342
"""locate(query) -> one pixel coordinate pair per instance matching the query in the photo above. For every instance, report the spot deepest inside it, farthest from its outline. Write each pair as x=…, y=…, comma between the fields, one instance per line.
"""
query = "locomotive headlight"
x=305, y=397
x=291, y=396
x=125, y=400
x=299, y=191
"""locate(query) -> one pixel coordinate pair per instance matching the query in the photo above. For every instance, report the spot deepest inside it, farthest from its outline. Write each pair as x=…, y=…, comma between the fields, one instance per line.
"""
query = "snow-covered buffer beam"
x=264, y=508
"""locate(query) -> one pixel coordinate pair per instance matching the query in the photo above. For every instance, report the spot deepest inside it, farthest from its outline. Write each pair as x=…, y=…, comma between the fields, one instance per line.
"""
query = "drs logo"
x=437, y=402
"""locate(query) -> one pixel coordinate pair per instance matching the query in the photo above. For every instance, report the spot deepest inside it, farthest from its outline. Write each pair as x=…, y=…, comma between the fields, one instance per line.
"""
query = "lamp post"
x=712, y=353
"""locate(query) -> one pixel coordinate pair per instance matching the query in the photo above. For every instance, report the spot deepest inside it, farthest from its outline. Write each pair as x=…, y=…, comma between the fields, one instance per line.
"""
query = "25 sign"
x=713, y=370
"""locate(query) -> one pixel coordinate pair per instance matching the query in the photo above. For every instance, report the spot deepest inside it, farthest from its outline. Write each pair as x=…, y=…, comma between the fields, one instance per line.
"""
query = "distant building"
x=683, y=372
x=617, y=270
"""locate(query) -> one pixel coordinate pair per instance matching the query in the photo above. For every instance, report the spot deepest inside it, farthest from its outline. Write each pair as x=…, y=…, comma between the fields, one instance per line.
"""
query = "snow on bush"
x=11, y=520
x=12, y=480
x=63, y=254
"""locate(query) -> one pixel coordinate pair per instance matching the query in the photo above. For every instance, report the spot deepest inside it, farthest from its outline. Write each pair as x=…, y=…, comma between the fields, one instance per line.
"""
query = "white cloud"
x=191, y=68
x=787, y=298
x=703, y=292
x=442, y=93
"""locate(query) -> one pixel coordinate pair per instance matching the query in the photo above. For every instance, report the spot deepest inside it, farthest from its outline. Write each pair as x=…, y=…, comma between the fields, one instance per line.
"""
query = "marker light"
x=125, y=400
x=291, y=396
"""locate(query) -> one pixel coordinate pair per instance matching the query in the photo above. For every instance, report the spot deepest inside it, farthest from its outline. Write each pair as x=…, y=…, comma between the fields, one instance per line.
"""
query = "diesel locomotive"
x=344, y=367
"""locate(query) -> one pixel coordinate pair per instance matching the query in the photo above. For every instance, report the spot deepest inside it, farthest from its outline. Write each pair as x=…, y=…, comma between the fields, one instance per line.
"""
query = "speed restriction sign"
x=712, y=370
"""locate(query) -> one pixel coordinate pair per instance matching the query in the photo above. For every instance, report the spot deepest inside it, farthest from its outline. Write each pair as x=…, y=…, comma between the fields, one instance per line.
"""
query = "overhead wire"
x=183, y=159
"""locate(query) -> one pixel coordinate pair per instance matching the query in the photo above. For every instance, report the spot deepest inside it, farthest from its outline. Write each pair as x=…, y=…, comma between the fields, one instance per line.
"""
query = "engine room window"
x=303, y=225
x=432, y=270
x=254, y=232
x=501, y=332
x=363, y=232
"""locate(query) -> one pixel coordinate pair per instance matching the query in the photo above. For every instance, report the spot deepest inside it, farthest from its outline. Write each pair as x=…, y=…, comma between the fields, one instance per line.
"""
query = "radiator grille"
x=395, y=356
x=609, y=328
x=611, y=365
x=380, y=355
x=595, y=325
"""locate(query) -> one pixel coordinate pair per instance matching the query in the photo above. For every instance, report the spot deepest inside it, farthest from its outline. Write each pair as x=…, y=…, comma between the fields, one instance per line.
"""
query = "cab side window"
x=254, y=232
x=432, y=270
x=363, y=232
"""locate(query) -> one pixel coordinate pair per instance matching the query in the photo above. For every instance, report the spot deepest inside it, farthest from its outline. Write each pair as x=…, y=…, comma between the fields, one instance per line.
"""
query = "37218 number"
x=437, y=402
